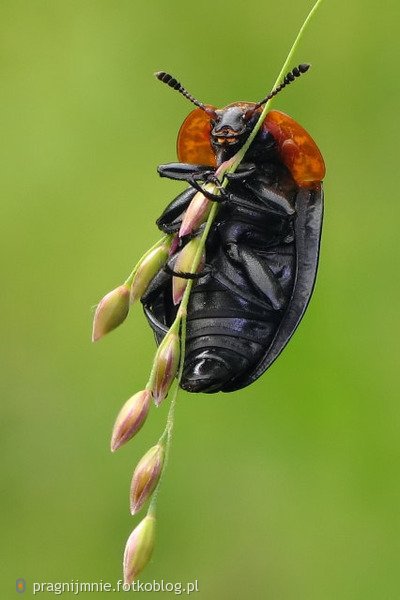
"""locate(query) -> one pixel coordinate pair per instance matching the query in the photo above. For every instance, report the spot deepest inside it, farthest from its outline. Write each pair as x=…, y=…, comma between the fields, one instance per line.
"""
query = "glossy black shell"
x=261, y=264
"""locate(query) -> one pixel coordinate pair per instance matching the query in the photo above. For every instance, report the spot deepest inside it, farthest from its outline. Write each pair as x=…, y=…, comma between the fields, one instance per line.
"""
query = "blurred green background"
x=289, y=489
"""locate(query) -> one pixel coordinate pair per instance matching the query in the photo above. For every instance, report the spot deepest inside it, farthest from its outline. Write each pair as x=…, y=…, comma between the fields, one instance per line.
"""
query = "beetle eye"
x=248, y=114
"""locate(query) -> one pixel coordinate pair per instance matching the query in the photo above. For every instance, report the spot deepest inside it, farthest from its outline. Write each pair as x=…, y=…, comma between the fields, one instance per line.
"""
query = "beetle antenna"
x=294, y=73
x=176, y=85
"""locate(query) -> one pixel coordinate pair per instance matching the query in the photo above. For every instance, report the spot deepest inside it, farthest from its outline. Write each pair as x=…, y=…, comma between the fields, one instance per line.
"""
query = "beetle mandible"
x=261, y=255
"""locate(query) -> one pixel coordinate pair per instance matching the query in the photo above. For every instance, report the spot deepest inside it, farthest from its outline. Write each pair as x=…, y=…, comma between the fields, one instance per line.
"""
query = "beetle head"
x=230, y=127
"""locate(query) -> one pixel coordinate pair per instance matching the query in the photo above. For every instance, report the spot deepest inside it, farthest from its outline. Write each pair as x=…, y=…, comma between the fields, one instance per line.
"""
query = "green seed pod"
x=183, y=264
x=111, y=311
x=130, y=418
x=166, y=366
x=197, y=211
x=146, y=270
x=146, y=477
x=139, y=548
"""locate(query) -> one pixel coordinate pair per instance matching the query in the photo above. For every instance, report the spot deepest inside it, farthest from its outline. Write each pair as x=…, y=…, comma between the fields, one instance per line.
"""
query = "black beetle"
x=262, y=251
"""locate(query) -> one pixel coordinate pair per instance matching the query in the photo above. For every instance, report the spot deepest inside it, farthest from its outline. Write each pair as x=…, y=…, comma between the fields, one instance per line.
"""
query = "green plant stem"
x=166, y=436
x=180, y=320
x=240, y=154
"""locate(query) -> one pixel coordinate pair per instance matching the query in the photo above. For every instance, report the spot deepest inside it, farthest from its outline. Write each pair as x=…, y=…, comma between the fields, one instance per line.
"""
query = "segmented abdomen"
x=230, y=325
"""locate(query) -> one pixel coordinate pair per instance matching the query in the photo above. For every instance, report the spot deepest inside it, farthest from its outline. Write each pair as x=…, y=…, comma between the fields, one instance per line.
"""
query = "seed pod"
x=147, y=269
x=146, y=477
x=130, y=419
x=111, y=311
x=183, y=264
x=197, y=211
x=139, y=548
x=166, y=366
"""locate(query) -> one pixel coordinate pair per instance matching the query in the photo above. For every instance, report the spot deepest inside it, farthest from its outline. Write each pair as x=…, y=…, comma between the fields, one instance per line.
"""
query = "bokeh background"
x=287, y=490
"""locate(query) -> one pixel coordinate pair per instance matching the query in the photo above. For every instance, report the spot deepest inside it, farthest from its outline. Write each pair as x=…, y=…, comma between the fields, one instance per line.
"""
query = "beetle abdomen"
x=214, y=361
x=258, y=279
x=227, y=334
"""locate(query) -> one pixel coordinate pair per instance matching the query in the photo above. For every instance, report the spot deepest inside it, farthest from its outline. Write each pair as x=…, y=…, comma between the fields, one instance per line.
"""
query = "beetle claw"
x=240, y=175
x=209, y=195
x=185, y=275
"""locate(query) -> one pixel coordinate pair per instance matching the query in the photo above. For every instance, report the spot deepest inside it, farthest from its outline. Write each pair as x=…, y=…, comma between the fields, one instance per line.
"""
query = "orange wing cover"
x=193, y=144
x=296, y=147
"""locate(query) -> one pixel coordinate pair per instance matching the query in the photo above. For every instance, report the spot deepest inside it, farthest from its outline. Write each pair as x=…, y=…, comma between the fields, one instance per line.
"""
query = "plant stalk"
x=180, y=320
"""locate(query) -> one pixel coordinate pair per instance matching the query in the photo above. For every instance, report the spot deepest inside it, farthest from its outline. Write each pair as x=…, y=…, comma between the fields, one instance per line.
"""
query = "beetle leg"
x=185, y=275
x=169, y=220
x=270, y=197
x=262, y=277
x=240, y=175
x=221, y=197
x=212, y=178
x=184, y=171
x=258, y=272
x=192, y=174
x=251, y=205
x=172, y=227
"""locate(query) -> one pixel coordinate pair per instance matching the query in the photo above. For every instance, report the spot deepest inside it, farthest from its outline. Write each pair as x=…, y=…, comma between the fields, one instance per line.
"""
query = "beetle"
x=261, y=255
